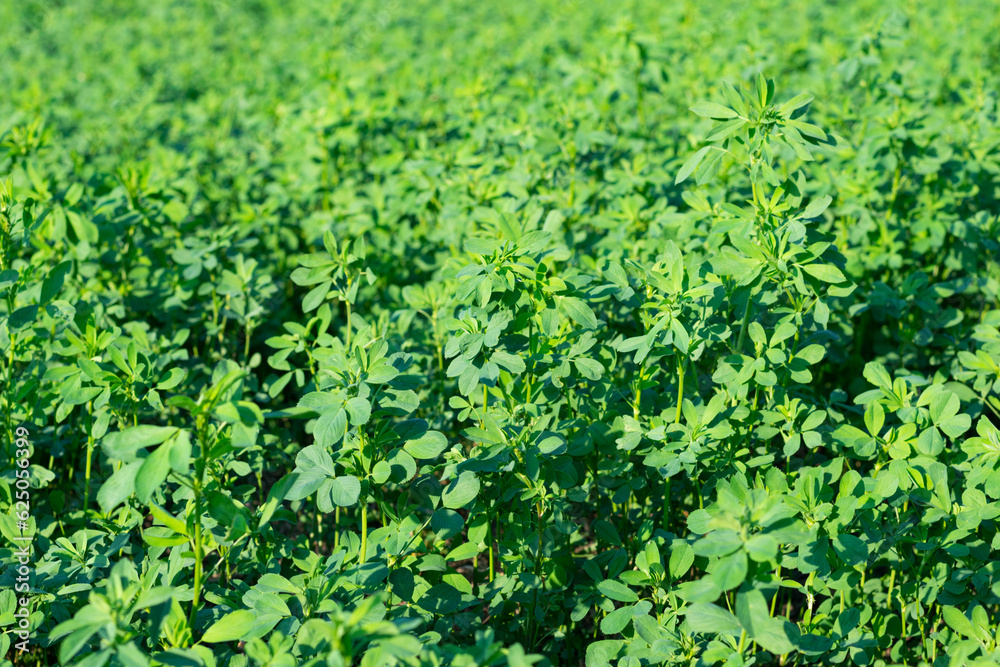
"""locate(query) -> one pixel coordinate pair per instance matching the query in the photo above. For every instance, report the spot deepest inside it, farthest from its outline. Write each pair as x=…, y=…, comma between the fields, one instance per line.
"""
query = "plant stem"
x=8, y=424
x=336, y=528
x=746, y=322
x=531, y=352
x=348, y=342
x=246, y=343
x=486, y=398
x=681, y=363
x=364, y=533
x=902, y=614
x=318, y=529
x=199, y=555
x=90, y=456
x=777, y=593
x=489, y=542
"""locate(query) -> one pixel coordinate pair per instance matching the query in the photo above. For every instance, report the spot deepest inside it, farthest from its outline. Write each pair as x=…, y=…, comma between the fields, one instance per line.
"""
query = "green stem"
x=246, y=343
x=336, y=528
x=364, y=533
x=681, y=363
x=489, y=543
x=8, y=423
x=486, y=398
x=90, y=456
x=531, y=352
x=774, y=600
x=902, y=614
x=745, y=324
x=348, y=324
x=199, y=554
x=317, y=529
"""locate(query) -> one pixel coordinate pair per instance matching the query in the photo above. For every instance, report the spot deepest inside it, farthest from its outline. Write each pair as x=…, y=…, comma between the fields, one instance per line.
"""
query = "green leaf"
x=381, y=472
x=828, y=273
x=796, y=102
x=315, y=297
x=874, y=418
x=173, y=378
x=53, y=282
x=753, y=614
x=440, y=599
x=430, y=445
x=463, y=552
x=313, y=466
x=22, y=317
x=117, y=488
x=617, y=591
x=691, y=164
x=271, y=604
x=762, y=548
x=714, y=111
x=579, y=312
x=123, y=445
x=718, y=543
x=402, y=464
x=877, y=374
x=163, y=517
x=751, y=610
x=508, y=362
x=681, y=560
x=616, y=621
x=601, y=653
x=230, y=627
x=606, y=531
x=154, y=596
x=809, y=643
x=461, y=491
x=808, y=129
x=331, y=427
x=344, y=491
x=153, y=473
x=275, y=583
x=850, y=549
x=359, y=410
x=701, y=590
x=958, y=622
x=816, y=208
x=729, y=572
x=591, y=369
x=773, y=637
x=479, y=245
x=8, y=277
x=712, y=619
x=847, y=621
x=811, y=354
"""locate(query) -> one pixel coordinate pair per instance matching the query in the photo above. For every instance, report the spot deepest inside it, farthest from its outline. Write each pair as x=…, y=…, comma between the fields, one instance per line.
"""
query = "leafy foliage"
x=442, y=334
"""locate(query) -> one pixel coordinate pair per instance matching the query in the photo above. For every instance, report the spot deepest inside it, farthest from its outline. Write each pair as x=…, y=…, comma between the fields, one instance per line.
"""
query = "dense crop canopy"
x=446, y=333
